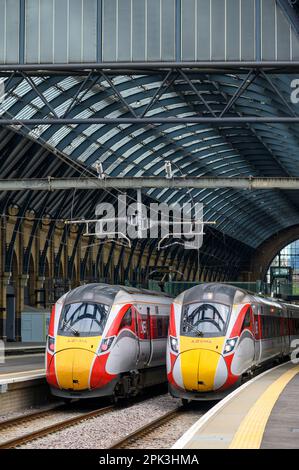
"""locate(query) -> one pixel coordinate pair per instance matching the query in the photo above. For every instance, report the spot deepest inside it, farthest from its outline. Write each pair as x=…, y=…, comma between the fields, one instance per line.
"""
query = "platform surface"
x=22, y=367
x=263, y=413
x=12, y=348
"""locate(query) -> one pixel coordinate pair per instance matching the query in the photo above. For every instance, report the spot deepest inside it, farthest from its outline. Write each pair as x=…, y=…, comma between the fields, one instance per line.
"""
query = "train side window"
x=286, y=325
x=265, y=327
x=160, y=328
x=271, y=327
x=256, y=325
x=166, y=325
x=246, y=321
x=157, y=310
x=263, y=333
x=278, y=326
x=127, y=319
x=148, y=323
x=275, y=326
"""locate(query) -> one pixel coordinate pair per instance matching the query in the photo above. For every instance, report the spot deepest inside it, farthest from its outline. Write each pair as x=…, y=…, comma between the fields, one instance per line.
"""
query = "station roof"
x=261, y=149
x=236, y=31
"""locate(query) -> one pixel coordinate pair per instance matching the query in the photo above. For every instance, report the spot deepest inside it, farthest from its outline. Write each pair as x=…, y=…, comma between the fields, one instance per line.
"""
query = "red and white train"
x=107, y=340
x=218, y=333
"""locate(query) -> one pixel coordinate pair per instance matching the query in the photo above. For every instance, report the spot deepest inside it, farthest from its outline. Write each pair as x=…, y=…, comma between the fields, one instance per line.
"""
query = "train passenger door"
x=128, y=339
x=257, y=334
x=144, y=335
x=285, y=332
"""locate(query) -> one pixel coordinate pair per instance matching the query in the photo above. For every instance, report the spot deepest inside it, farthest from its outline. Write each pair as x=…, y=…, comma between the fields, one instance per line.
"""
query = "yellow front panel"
x=199, y=361
x=73, y=361
x=189, y=368
x=207, y=367
x=90, y=343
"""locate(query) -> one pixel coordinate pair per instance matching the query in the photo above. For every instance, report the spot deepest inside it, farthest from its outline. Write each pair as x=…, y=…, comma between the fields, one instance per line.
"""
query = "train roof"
x=217, y=292
x=227, y=294
x=105, y=293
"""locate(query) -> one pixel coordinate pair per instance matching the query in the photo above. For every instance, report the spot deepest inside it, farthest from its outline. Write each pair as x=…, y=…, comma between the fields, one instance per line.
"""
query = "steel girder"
x=210, y=148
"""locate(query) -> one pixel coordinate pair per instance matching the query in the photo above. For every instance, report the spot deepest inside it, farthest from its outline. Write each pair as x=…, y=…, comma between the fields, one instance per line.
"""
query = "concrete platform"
x=261, y=414
x=22, y=383
x=16, y=368
x=14, y=349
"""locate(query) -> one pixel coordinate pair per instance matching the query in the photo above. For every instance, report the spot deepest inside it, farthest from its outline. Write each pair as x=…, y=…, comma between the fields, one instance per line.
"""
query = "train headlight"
x=230, y=345
x=51, y=344
x=106, y=344
x=174, y=344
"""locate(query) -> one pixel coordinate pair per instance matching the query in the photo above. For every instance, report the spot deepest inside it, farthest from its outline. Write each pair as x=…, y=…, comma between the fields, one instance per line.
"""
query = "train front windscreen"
x=83, y=319
x=205, y=320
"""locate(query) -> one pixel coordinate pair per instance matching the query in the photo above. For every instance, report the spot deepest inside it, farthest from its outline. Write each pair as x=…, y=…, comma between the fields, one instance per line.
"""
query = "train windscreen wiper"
x=193, y=328
x=66, y=324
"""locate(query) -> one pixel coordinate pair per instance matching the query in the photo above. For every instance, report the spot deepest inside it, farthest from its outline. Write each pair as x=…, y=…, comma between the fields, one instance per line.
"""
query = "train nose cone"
x=73, y=368
x=203, y=370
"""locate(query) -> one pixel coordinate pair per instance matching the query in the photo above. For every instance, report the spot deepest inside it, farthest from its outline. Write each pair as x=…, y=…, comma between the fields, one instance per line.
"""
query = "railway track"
x=24, y=438
x=146, y=430
x=44, y=431
x=29, y=417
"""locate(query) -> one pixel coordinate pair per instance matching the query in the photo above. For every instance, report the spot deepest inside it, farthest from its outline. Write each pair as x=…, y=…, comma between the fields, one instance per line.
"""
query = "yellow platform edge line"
x=251, y=430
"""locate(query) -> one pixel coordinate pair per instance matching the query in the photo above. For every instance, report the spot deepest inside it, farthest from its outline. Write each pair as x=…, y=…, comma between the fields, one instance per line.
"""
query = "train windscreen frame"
x=83, y=319
x=202, y=319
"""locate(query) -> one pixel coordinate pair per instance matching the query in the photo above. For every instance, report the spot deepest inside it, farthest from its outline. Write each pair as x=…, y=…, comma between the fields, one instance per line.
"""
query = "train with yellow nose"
x=219, y=334
x=107, y=341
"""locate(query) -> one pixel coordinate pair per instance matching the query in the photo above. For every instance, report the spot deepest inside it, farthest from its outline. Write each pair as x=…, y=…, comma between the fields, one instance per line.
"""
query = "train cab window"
x=246, y=321
x=127, y=319
x=202, y=319
x=83, y=319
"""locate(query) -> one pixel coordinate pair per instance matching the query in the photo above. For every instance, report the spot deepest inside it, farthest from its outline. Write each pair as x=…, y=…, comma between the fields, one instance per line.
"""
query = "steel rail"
x=146, y=429
x=11, y=422
x=15, y=442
